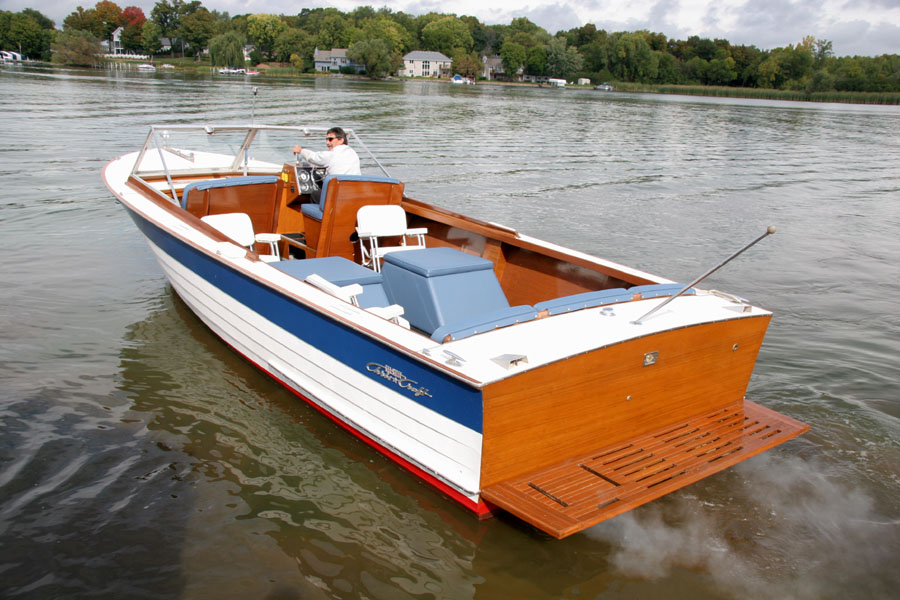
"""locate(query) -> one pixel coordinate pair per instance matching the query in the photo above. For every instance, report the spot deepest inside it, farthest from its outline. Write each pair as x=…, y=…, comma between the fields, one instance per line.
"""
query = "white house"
x=423, y=63
x=117, y=41
x=327, y=61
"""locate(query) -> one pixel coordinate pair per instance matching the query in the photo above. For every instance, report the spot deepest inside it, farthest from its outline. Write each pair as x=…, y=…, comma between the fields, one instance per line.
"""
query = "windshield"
x=180, y=150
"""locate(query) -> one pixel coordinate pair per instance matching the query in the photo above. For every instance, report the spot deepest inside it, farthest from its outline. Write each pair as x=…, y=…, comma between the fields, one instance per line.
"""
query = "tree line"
x=378, y=38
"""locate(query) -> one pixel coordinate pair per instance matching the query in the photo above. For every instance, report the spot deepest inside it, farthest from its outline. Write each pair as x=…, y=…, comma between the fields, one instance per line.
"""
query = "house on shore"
x=332, y=61
x=494, y=71
x=424, y=63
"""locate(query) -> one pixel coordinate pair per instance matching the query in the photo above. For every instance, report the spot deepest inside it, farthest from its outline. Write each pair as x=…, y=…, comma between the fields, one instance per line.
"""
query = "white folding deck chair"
x=384, y=220
x=238, y=227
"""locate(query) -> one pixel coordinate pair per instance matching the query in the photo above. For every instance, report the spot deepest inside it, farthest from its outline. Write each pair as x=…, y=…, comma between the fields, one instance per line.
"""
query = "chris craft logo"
x=392, y=374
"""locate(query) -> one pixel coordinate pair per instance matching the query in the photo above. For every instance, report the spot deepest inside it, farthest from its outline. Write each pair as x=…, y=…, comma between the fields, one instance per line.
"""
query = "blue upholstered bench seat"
x=611, y=296
x=223, y=183
x=441, y=286
x=339, y=271
x=584, y=300
x=484, y=322
x=655, y=290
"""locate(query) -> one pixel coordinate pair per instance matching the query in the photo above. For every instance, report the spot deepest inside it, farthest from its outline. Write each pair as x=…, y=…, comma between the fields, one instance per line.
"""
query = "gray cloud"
x=763, y=23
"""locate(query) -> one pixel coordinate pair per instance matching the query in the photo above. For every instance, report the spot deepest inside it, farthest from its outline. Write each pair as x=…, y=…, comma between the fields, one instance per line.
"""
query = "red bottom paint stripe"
x=480, y=508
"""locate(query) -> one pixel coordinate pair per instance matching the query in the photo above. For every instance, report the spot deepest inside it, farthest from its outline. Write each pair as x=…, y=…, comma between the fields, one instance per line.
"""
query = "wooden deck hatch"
x=573, y=495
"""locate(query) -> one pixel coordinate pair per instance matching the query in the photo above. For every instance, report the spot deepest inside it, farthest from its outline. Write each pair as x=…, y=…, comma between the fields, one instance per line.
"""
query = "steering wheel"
x=309, y=177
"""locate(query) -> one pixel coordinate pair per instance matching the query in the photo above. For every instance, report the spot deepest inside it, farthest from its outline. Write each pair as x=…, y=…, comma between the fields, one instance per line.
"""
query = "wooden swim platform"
x=573, y=495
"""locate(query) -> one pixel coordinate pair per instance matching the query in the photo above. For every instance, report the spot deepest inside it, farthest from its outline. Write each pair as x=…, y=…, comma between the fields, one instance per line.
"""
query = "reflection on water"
x=140, y=457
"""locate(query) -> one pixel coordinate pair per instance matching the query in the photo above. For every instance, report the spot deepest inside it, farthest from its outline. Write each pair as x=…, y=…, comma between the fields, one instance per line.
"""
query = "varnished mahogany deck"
x=571, y=496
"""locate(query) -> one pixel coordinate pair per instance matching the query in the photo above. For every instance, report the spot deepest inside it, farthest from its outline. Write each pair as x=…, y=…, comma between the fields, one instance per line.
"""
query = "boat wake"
x=795, y=531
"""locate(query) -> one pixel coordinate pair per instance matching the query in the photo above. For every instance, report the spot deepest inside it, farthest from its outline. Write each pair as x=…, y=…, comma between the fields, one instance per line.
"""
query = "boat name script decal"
x=392, y=374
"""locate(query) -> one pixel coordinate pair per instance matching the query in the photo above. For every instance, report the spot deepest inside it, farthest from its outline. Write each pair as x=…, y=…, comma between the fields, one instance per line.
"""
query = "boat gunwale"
x=160, y=199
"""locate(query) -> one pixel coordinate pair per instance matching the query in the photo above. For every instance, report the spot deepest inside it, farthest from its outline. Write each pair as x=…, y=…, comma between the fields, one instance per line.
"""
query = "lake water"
x=141, y=458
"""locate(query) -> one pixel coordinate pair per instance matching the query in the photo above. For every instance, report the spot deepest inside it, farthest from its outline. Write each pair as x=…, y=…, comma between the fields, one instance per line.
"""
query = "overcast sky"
x=865, y=27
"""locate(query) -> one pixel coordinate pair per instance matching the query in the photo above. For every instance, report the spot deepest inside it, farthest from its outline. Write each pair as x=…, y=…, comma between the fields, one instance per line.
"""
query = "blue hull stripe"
x=449, y=397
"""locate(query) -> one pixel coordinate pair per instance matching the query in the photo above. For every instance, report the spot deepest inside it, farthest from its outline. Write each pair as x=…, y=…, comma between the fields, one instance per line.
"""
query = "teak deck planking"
x=580, y=492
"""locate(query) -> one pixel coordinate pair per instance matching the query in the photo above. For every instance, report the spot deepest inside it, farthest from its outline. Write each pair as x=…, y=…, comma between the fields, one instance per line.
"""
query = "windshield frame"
x=182, y=161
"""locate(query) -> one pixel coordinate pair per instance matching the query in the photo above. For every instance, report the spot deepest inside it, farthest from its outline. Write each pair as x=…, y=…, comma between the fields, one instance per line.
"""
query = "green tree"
x=721, y=71
x=796, y=62
x=536, y=61
x=513, y=56
x=703, y=48
x=446, y=35
x=746, y=62
x=526, y=40
x=695, y=70
x=332, y=30
x=669, y=70
x=197, y=28
x=468, y=65
x=42, y=20
x=24, y=34
x=292, y=42
x=594, y=54
x=263, y=30
x=131, y=38
x=76, y=47
x=820, y=81
x=522, y=24
x=375, y=55
x=151, y=33
x=361, y=14
x=481, y=35
x=383, y=28
x=84, y=20
x=631, y=59
x=822, y=52
x=849, y=75
x=167, y=15
x=227, y=50
x=562, y=61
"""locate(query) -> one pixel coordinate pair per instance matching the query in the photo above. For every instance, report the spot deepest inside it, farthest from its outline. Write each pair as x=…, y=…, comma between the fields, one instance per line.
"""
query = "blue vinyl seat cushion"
x=655, y=290
x=484, y=322
x=584, y=300
x=435, y=262
x=339, y=271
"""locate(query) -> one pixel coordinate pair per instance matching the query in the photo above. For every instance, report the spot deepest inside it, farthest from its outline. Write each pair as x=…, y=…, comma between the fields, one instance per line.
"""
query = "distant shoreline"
x=881, y=98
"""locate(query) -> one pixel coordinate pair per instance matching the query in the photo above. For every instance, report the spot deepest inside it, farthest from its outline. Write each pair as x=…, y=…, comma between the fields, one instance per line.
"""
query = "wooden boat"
x=508, y=372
